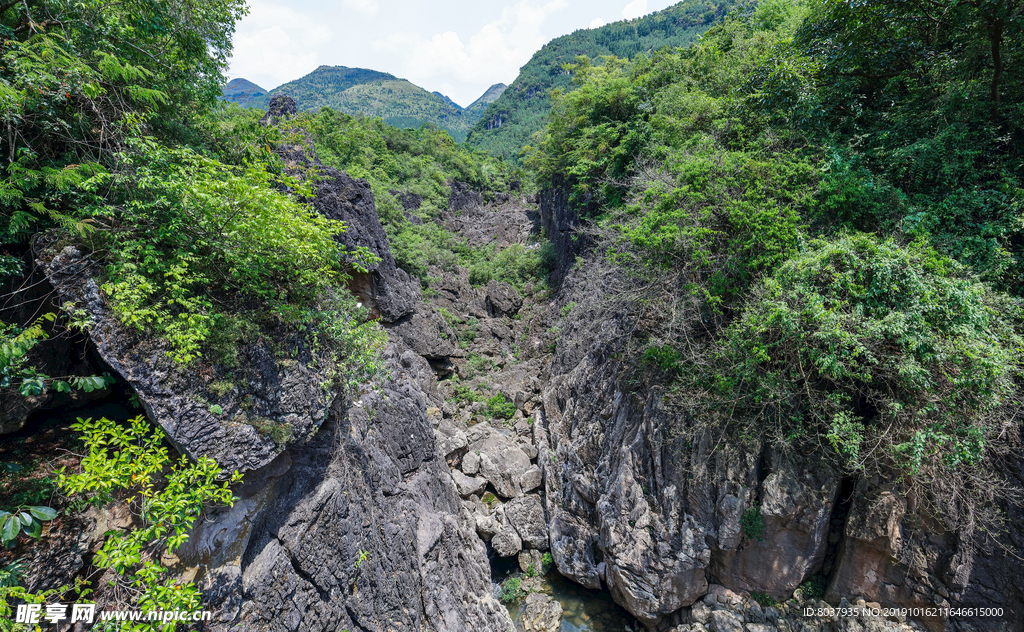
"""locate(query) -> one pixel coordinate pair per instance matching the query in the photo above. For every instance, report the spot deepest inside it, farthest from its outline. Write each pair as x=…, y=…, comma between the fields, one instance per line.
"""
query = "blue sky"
x=459, y=48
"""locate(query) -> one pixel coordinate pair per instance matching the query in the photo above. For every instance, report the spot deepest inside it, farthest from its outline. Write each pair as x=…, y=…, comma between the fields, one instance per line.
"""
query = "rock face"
x=338, y=196
x=389, y=289
x=274, y=394
x=365, y=527
x=541, y=613
x=652, y=508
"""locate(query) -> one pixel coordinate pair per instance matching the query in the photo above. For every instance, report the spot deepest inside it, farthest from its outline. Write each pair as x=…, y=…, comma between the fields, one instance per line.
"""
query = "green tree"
x=130, y=466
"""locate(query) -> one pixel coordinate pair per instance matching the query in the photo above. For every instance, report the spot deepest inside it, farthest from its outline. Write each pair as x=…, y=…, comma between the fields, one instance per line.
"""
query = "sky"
x=456, y=47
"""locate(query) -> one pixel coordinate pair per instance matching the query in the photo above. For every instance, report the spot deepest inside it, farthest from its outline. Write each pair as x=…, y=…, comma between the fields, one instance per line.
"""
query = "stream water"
x=583, y=610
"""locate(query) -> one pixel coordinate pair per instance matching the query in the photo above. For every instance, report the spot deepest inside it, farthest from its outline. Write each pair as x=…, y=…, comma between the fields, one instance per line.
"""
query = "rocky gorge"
x=506, y=426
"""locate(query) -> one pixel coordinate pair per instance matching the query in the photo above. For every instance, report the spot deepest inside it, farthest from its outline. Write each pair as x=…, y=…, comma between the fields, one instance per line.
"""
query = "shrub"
x=814, y=588
x=477, y=364
x=893, y=357
x=463, y=394
x=664, y=357
x=129, y=464
x=512, y=590
x=752, y=523
x=763, y=599
x=500, y=407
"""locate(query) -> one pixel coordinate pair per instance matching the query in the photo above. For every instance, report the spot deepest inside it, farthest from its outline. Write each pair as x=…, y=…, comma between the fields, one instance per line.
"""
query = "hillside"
x=476, y=109
x=369, y=92
x=242, y=92
x=507, y=125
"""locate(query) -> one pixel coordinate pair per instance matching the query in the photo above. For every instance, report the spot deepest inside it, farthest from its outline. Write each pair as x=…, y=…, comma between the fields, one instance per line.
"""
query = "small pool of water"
x=583, y=610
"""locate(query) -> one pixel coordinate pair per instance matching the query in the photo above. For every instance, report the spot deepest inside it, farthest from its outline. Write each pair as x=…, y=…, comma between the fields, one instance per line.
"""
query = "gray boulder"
x=541, y=613
x=468, y=486
x=526, y=514
x=507, y=542
x=502, y=299
x=502, y=463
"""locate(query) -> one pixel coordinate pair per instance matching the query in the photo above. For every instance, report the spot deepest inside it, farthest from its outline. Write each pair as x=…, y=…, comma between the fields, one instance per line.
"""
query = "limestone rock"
x=531, y=561
x=471, y=463
x=468, y=486
x=726, y=621
x=531, y=478
x=541, y=613
x=502, y=299
x=506, y=542
x=273, y=393
x=450, y=438
x=487, y=527
x=526, y=514
x=428, y=334
x=502, y=463
x=368, y=528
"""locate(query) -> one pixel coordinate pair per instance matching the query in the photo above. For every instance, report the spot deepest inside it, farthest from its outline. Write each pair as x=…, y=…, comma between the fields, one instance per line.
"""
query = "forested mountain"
x=509, y=123
x=243, y=92
x=476, y=109
x=370, y=93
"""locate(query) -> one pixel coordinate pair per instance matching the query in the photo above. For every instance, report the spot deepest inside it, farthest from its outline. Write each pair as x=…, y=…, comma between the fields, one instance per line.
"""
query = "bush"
x=500, y=407
x=516, y=265
x=814, y=588
x=752, y=523
x=664, y=357
x=130, y=465
x=763, y=599
x=895, y=358
x=511, y=590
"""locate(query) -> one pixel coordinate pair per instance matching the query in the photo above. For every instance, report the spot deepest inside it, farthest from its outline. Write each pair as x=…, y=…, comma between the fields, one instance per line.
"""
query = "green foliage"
x=463, y=394
x=424, y=163
x=752, y=523
x=129, y=465
x=516, y=264
x=814, y=588
x=12, y=574
x=913, y=362
x=198, y=222
x=512, y=590
x=477, y=364
x=24, y=519
x=15, y=371
x=763, y=599
x=508, y=124
x=664, y=357
x=363, y=556
x=740, y=185
x=500, y=407
x=547, y=561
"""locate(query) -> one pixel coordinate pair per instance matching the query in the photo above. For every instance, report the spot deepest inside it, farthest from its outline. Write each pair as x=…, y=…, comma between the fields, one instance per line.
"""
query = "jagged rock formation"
x=354, y=522
x=384, y=285
x=637, y=506
x=275, y=392
x=364, y=528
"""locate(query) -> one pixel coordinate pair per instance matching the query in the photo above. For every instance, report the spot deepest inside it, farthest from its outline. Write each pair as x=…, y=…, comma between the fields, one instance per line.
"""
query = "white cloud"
x=365, y=7
x=494, y=53
x=596, y=23
x=276, y=45
x=634, y=9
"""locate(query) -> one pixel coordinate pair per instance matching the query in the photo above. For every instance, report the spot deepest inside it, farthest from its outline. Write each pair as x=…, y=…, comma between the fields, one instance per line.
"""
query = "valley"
x=711, y=321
